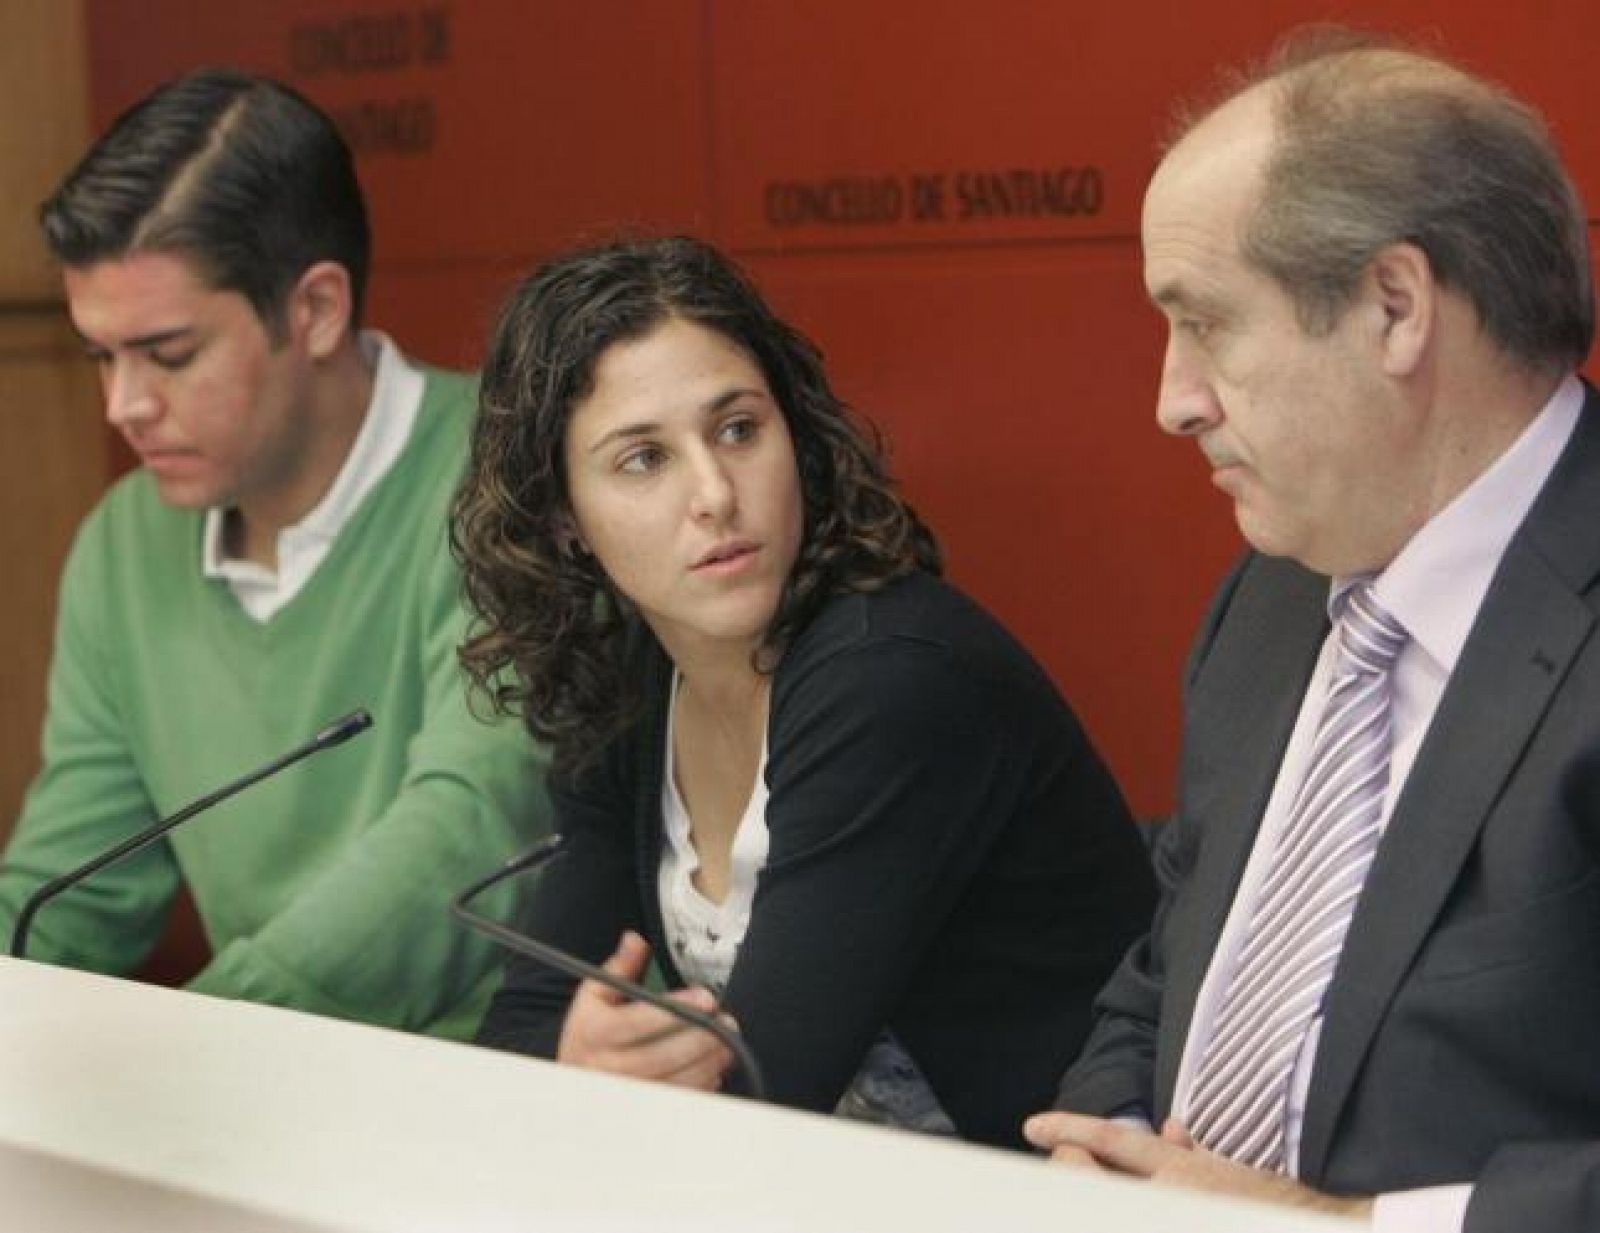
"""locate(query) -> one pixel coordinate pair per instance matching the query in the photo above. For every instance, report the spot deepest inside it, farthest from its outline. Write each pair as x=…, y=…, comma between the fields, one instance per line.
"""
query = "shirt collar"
x=1437, y=583
x=397, y=388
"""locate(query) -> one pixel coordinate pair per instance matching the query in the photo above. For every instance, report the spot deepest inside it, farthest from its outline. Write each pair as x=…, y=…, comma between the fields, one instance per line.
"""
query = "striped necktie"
x=1303, y=908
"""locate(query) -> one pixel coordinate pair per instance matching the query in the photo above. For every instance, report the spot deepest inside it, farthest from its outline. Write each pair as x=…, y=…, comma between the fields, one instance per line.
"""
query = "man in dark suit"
x=1373, y=984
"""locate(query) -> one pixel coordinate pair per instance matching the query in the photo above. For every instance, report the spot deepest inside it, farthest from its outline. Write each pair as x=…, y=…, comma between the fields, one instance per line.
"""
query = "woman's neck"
x=732, y=695
x=720, y=676
x=719, y=733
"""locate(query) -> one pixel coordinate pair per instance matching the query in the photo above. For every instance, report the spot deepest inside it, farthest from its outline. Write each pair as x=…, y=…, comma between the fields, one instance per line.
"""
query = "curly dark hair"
x=546, y=612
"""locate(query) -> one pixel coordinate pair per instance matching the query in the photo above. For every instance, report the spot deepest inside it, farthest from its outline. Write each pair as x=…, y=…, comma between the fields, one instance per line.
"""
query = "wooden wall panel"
x=52, y=469
x=54, y=460
x=988, y=317
x=43, y=123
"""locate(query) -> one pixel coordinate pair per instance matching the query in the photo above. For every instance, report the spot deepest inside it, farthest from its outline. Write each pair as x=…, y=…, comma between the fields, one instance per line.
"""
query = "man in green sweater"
x=280, y=558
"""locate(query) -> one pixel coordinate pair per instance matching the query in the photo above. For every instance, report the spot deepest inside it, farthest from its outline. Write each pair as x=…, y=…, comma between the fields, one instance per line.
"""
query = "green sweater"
x=325, y=888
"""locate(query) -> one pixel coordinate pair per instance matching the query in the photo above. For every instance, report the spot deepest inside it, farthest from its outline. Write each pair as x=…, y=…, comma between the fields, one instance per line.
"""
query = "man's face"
x=1302, y=431
x=214, y=408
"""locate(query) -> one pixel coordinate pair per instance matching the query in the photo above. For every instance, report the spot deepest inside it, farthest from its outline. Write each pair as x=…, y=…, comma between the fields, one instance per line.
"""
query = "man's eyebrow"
x=1177, y=296
x=153, y=339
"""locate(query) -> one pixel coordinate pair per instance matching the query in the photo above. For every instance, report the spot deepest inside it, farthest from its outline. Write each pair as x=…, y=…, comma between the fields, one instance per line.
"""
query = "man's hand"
x=603, y=1030
x=1173, y=1157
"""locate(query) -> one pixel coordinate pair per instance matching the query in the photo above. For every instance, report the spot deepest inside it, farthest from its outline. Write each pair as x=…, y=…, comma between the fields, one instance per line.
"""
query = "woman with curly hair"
x=837, y=801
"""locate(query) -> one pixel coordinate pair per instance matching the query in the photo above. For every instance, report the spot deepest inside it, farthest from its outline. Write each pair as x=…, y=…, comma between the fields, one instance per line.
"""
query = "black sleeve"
x=580, y=902
x=889, y=777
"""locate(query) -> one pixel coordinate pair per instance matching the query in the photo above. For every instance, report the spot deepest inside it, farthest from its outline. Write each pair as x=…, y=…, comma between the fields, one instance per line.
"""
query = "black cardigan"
x=948, y=858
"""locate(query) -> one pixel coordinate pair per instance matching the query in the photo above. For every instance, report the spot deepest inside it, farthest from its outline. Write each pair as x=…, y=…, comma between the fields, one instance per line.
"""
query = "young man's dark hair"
x=238, y=173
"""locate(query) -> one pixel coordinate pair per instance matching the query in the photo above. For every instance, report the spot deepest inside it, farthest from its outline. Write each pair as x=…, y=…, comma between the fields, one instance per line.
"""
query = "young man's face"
x=214, y=407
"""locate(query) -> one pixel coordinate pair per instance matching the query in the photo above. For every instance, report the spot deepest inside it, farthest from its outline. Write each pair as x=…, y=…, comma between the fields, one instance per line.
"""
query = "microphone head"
x=341, y=730
x=535, y=856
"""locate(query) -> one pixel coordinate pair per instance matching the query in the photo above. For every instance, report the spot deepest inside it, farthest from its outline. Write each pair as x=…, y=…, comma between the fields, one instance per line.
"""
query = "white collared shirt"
x=397, y=388
x=1434, y=587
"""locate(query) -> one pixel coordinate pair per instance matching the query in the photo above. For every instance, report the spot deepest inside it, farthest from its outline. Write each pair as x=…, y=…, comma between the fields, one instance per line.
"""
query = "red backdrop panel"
x=945, y=195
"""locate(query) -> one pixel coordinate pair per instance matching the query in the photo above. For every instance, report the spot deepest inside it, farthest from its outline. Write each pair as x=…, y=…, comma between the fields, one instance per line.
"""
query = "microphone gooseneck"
x=543, y=952
x=336, y=733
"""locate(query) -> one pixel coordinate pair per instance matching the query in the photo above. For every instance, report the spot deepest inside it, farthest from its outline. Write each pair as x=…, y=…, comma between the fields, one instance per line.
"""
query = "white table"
x=128, y=1106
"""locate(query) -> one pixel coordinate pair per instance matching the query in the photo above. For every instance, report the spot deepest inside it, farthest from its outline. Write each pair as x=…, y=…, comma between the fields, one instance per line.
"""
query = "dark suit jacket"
x=1462, y=1032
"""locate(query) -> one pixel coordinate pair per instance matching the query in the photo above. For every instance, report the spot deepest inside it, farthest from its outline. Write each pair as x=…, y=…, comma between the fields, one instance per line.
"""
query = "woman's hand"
x=603, y=1030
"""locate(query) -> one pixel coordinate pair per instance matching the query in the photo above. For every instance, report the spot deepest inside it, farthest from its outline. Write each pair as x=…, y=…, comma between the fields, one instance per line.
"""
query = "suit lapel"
x=1252, y=681
x=1532, y=625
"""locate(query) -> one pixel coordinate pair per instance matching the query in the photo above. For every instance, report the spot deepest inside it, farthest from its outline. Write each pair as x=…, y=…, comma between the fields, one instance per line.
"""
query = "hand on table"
x=1173, y=1157
x=606, y=1031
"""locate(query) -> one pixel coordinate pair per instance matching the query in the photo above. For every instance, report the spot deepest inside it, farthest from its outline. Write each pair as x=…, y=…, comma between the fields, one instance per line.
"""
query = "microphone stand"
x=336, y=733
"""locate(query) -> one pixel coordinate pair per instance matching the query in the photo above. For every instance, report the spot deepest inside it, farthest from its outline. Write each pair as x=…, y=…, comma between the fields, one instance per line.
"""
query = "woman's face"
x=682, y=480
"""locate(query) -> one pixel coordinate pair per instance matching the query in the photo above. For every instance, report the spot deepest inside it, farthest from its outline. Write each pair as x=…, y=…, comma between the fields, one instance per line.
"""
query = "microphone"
x=336, y=733
x=544, y=953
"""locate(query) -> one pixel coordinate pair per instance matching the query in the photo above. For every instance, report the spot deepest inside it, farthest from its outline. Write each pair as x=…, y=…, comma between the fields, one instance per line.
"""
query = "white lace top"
x=705, y=935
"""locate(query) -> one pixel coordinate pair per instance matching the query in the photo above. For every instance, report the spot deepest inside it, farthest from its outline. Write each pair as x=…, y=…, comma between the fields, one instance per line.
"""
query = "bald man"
x=1373, y=984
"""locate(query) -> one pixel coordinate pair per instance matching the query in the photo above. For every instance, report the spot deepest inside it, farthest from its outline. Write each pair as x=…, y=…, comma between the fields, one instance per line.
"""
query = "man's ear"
x=320, y=308
x=1406, y=295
